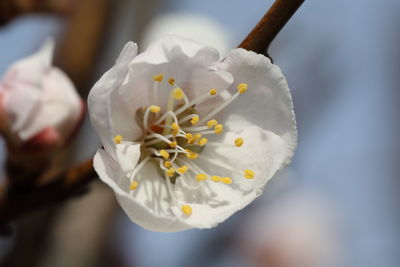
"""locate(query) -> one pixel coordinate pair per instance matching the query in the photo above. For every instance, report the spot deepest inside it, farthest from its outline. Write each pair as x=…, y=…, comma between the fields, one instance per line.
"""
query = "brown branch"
x=66, y=184
x=60, y=186
x=259, y=39
x=9, y=9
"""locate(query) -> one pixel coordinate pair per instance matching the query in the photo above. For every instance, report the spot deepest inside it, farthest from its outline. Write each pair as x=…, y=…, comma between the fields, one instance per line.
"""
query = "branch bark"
x=260, y=38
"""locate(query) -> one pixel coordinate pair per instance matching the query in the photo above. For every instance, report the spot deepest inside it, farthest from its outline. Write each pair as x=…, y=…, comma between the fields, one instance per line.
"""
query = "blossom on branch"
x=188, y=139
x=39, y=106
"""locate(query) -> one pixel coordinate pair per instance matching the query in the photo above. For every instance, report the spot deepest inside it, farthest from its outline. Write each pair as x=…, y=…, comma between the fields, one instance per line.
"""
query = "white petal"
x=60, y=106
x=22, y=86
x=149, y=204
x=262, y=152
x=267, y=103
x=100, y=102
x=211, y=205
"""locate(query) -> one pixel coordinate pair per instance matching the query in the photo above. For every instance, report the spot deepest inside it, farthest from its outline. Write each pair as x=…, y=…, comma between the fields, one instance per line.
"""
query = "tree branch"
x=259, y=39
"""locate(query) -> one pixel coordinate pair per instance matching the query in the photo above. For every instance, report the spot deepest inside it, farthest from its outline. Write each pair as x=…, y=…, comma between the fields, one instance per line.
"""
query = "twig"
x=259, y=39
x=67, y=183
x=9, y=9
x=61, y=186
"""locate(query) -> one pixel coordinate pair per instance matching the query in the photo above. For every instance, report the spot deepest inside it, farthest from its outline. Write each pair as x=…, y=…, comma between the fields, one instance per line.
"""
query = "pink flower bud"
x=39, y=106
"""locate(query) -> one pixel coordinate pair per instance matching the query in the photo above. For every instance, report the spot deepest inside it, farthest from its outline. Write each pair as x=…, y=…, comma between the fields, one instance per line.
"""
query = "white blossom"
x=188, y=139
x=39, y=105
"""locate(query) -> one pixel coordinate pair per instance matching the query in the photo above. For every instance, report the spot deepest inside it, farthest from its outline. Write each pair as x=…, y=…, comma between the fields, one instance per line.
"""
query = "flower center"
x=175, y=139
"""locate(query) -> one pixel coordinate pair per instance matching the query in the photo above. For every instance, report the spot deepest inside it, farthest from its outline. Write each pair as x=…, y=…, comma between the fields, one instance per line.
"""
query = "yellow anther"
x=170, y=172
x=202, y=141
x=191, y=154
x=155, y=109
x=249, y=174
x=173, y=144
x=226, y=180
x=171, y=81
x=238, y=141
x=118, y=139
x=175, y=128
x=190, y=138
x=218, y=129
x=158, y=78
x=216, y=178
x=201, y=177
x=212, y=123
x=167, y=164
x=164, y=153
x=197, y=136
x=242, y=87
x=195, y=119
x=183, y=169
x=133, y=185
x=187, y=209
x=178, y=93
x=213, y=91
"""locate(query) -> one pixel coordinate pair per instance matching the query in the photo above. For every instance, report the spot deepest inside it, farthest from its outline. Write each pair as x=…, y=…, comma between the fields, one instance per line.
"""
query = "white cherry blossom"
x=188, y=139
x=39, y=106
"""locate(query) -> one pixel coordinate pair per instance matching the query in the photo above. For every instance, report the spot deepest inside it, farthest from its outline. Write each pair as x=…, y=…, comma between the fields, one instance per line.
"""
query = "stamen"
x=164, y=153
x=226, y=180
x=158, y=138
x=178, y=93
x=201, y=177
x=188, y=117
x=195, y=119
x=171, y=81
x=133, y=185
x=170, y=172
x=183, y=169
x=175, y=128
x=241, y=89
x=173, y=144
x=218, y=129
x=138, y=167
x=187, y=209
x=167, y=164
x=158, y=78
x=216, y=178
x=195, y=101
x=249, y=174
x=118, y=139
x=203, y=141
x=191, y=154
x=213, y=91
x=238, y=142
x=155, y=109
x=212, y=123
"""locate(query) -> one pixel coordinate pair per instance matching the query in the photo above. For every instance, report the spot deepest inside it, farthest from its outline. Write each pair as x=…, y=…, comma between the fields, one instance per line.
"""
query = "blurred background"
x=337, y=204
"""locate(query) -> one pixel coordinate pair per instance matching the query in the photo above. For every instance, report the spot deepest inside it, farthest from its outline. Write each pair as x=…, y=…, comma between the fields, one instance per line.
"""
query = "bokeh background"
x=337, y=204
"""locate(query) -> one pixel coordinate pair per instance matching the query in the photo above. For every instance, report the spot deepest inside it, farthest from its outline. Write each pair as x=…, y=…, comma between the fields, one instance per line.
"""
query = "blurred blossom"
x=196, y=27
x=299, y=229
x=166, y=174
x=39, y=106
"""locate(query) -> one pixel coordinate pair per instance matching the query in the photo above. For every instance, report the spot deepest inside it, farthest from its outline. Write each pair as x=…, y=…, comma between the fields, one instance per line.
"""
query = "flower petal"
x=186, y=61
x=22, y=87
x=212, y=204
x=59, y=106
x=262, y=152
x=101, y=106
x=267, y=103
x=149, y=204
